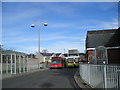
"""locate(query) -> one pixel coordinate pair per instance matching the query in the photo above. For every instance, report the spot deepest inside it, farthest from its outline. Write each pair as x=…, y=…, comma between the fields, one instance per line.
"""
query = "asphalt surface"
x=51, y=78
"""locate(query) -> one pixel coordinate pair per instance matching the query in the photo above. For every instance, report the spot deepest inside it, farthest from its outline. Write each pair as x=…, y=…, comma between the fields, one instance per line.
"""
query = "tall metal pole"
x=45, y=24
x=38, y=44
x=39, y=38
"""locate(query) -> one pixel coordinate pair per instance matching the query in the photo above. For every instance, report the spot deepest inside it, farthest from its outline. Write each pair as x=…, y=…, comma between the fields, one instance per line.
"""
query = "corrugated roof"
x=114, y=40
x=102, y=31
x=98, y=37
x=9, y=52
x=57, y=54
x=47, y=54
x=65, y=55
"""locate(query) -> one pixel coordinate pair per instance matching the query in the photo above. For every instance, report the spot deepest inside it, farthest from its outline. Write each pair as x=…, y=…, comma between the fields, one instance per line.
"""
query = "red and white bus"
x=57, y=62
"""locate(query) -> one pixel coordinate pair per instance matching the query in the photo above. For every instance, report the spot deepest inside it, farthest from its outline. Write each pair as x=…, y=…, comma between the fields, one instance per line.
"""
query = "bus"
x=76, y=63
x=57, y=62
x=72, y=61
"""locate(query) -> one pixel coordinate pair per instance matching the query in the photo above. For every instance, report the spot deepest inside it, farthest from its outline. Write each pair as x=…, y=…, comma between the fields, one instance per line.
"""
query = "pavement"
x=7, y=76
x=79, y=80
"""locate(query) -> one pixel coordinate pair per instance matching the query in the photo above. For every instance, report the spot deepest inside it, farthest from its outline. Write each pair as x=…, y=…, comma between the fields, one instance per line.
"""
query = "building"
x=46, y=56
x=113, y=48
x=73, y=51
x=13, y=62
x=58, y=55
x=107, y=38
x=31, y=55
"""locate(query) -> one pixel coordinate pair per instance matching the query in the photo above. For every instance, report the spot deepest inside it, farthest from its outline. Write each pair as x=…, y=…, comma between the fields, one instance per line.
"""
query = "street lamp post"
x=45, y=24
x=38, y=38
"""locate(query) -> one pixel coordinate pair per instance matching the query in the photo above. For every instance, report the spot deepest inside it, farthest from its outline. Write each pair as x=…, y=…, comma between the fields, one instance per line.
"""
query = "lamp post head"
x=45, y=24
x=32, y=25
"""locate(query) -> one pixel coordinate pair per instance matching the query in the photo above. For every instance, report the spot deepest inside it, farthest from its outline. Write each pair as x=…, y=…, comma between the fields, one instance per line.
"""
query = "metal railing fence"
x=100, y=76
x=20, y=65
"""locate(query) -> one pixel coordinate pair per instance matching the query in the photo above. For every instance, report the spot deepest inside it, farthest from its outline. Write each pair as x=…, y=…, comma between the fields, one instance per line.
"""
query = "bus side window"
x=61, y=60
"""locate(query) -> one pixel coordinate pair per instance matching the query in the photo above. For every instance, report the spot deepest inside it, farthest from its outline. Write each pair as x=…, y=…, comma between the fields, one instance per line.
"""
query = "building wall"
x=33, y=61
x=41, y=57
x=73, y=51
x=89, y=55
x=47, y=58
x=113, y=56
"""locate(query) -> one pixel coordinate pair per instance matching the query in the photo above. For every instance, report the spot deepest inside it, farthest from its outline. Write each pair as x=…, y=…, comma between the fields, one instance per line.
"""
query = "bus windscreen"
x=56, y=61
x=70, y=60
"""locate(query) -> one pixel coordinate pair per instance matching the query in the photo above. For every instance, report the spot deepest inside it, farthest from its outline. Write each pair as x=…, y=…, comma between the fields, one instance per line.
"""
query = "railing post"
x=19, y=64
x=6, y=64
x=23, y=63
x=118, y=78
x=1, y=63
x=105, y=77
x=89, y=72
x=27, y=64
x=15, y=64
x=11, y=64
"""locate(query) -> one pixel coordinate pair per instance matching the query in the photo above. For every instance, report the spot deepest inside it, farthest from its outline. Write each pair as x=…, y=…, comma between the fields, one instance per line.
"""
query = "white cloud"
x=57, y=36
x=25, y=14
x=97, y=24
x=57, y=47
x=16, y=37
x=18, y=40
x=108, y=7
x=66, y=10
x=53, y=38
x=112, y=25
x=59, y=25
x=32, y=49
x=7, y=32
x=60, y=46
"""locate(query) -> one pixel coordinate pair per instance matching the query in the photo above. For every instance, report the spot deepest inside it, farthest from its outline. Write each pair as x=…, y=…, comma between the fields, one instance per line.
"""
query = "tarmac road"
x=51, y=78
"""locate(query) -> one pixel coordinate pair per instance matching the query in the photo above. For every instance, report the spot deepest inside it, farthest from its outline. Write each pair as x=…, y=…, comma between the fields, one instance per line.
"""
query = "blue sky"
x=68, y=23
